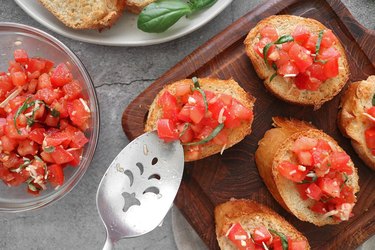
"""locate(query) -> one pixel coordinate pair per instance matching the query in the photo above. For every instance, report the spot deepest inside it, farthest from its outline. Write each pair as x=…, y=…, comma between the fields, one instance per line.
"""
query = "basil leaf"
x=196, y=5
x=284, y=39
x=21, y=109
x=373, y=100
x=55, y=113
x=314, y=178
x=186, y=126
x=318, y=43
x=265, y=52
x=49, y=149
x=273, y=76
x=214, y=133
x=161, y=15
x=197, y=87
x=284, y=239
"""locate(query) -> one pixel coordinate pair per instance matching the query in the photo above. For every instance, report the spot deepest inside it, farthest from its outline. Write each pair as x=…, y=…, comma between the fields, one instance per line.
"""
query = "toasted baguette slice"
x=86, y=14
x=286, y=89
x=351, y=121
x=274, y=148
x=136, y=6
x=229, y=87
x=250, y=215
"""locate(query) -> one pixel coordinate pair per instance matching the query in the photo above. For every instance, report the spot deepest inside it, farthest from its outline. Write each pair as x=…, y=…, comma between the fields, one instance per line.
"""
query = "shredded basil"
x=197, y=87
x=319, y=42
x=346, y=178
x=49, y=149
x=37, y=158
x=373, y=100
x=284, y=239
x=314, y=178
x=55, y=113
x=22, y=108
x=26, y=162
x=186, y=126
x=281, y=40
x=273, y=76
x=284, y=39
x=214, y=133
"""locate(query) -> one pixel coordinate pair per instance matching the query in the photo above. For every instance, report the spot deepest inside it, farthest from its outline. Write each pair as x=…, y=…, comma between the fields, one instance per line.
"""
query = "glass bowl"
x=40, y=44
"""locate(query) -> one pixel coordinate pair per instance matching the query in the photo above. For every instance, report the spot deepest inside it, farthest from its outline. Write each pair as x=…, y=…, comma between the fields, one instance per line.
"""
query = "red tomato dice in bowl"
x=42, y=124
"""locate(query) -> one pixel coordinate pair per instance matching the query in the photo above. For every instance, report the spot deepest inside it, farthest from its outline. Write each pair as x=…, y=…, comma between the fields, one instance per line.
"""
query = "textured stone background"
x=119, y=74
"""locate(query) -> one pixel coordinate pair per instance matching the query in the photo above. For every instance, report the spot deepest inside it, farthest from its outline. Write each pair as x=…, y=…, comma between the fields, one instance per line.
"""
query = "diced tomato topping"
x=329, y=186
x=240, y=238
x=296, y=244
x=166, y=130
x=20, y=56
x=276, y=244
x=301, y=34
x=61, y=75
x=313, y=192
x=288, y=69
x=305, y=158
x=270, y=32
x=55, y=175
x=291, y=171
x=301, y=57
x=261, y=234
x=260, y=46
x=44, y=123
x=370, y=138
x=310, y=44
x=328, y=39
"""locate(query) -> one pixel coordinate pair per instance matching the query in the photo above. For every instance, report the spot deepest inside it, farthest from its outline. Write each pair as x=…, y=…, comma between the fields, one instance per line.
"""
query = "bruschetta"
x=245, y=224
x=307, y=172
x=207, y=115
x=300, y=60
x=356, y=118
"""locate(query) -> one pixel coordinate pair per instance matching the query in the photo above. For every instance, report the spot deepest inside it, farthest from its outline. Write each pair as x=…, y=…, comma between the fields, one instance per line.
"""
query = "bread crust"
x=229, y=87
x=351, y=121
x=250, y=215
x=275, y=148
x=77, y=14
x=279, y=86
x=135, y=6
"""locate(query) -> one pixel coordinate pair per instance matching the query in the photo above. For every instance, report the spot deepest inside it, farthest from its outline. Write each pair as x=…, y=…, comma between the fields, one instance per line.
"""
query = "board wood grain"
x=215, y=179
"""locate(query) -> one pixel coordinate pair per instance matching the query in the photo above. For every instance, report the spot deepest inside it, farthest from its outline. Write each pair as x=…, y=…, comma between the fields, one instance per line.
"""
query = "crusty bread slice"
x=351, y=121
x=275, y=148
x=229, y=87
x=250, y=215
x=86, y=14
x=286, y=89
x=136, y=6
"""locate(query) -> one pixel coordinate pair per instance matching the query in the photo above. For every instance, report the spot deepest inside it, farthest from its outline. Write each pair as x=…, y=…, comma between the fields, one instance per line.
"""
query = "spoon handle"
x=108, y=245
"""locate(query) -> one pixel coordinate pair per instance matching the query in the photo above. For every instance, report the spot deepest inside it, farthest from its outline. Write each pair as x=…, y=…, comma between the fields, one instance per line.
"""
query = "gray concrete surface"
x=119, y=74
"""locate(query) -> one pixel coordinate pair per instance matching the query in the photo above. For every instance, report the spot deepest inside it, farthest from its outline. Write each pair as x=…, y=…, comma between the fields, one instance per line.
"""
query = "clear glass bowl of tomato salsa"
x=40, y=44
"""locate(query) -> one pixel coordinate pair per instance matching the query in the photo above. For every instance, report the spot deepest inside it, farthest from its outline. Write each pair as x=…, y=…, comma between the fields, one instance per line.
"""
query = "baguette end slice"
x=273, y=149
x=85, y=14
x=250, y=214
x=286, y=90
x=351, y=121
x=229, y=87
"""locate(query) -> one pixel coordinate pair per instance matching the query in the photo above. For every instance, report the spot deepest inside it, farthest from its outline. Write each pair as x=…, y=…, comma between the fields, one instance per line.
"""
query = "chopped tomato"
x=260, y=46
x=270, y=32
x=61, y=156
x=329, y=186
x=276, y=244
x=291, y=171
x=18, y=78
x=79, y=113
x=331, y=68
x=313, y=192
x=72, y=90
x=288, y=69
x=241, y=111
x=296, y=244
x=305, y=158
x=240, y=238
x=166, y=130
x=319, y=207
x=27, y=147
x=261, y=234
x=55, y=175
x=317, y=71
x=301, y=57
x=20, y=56
x=370, y=138
x=61, y=75
x=310, y=44
x=197, y=113
x=44, y=81
x=328, y=39
x=8, y=144
x=339, y=161
x=183, y=89
x=301, y=34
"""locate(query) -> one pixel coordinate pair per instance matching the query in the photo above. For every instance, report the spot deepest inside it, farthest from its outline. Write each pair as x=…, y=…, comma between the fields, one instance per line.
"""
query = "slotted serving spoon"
x=139, y=187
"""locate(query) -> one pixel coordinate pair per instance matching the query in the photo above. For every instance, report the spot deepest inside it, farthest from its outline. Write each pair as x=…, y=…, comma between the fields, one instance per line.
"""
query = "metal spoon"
x=139, y=187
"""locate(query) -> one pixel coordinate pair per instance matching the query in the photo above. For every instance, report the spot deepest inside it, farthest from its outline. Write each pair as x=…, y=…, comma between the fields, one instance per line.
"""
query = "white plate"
x=124, y=32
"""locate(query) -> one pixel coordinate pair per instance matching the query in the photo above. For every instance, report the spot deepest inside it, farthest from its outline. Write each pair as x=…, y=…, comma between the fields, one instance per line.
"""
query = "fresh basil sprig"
x=159, y=16
x=214, y=133
x=197, y=87
x=281, y=40
x=284, y=239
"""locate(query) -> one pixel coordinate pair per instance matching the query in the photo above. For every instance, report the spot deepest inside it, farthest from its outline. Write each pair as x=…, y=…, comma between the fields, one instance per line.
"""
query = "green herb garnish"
x=281, y=40
x=159, y=16
x=346, y=178
x=22, y=108
x=197, y=87
x=213, y=134
x=318, y=43
x=284, y=239
x=37, y=158
x=373, y=100
x=55, y=113
x=273, y=76
x=49, y=149
x=186, y=126
x=313, y=178
x=26, y=162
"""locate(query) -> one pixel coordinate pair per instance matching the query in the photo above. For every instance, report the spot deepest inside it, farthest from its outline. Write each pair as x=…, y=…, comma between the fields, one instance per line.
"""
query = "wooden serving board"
x=215, y=179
